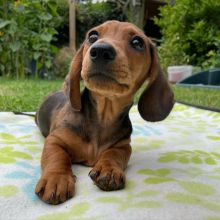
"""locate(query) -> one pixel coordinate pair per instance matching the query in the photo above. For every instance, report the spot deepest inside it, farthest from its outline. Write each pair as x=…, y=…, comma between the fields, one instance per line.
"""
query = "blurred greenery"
x=27, y=28
x=191, y=33
x=33, y=34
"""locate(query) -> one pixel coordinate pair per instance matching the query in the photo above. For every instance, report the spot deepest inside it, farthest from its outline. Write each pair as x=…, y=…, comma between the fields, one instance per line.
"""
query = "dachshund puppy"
x=93, y=127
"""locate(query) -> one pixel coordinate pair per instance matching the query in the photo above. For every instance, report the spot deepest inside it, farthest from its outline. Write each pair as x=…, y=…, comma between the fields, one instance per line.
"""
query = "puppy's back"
x=52, y=102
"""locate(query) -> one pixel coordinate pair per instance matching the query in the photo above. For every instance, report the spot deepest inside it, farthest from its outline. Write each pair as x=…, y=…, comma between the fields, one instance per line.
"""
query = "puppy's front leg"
x=108, y=172
x=57, y=183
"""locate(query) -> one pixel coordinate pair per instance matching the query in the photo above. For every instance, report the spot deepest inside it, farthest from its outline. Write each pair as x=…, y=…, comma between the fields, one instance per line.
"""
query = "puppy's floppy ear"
x=157, y=99
x=72, y=81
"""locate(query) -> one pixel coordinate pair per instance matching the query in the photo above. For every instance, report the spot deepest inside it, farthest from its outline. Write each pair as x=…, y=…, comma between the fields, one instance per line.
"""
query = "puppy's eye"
x=138, y=43
x=93, y=37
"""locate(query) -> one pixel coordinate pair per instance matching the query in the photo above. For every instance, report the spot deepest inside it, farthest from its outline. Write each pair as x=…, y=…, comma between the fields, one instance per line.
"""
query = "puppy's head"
x=115, y=59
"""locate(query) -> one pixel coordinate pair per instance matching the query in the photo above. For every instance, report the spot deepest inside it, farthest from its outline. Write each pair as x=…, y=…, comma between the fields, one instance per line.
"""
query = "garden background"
x=35, y=53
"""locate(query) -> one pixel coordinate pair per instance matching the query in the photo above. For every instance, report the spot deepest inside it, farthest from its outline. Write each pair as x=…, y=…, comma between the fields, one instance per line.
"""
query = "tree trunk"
x=72, y=25
x=135, y=11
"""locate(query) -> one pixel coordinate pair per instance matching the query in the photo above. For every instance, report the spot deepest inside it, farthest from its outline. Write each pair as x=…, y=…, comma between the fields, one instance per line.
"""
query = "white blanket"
x=173, y=173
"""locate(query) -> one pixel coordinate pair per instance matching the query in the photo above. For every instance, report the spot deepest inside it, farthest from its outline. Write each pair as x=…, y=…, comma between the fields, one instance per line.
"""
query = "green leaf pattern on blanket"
x=213, y=218
x=214, y=138
x=183, y=198
x=159, y=172
x=129, y=200
x=198, y=188
x=193, y=200
x=190, y=156
x=195, y=191
x=76, y=212
x=9, y=155
x=159, y=176
x=6, y=138
x=8, y=191
x=148, y=144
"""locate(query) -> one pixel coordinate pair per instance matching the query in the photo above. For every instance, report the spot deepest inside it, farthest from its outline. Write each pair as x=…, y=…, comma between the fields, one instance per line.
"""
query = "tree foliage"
x=27, y=28
x=191, y=33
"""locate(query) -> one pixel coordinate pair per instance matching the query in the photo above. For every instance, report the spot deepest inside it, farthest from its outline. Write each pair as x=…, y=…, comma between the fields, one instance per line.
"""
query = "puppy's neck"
x=109, y=108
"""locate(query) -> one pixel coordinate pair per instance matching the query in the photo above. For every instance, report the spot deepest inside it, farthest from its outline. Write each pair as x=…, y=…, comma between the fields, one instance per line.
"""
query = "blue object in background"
x=206, y=79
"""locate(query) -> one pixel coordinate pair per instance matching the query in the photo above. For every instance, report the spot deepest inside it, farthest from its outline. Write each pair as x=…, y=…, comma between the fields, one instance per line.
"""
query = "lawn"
x=198, y=96
x=26, y=95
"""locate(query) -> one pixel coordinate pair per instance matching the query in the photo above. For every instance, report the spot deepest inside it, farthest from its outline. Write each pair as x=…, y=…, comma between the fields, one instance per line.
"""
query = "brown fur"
x=94, y=128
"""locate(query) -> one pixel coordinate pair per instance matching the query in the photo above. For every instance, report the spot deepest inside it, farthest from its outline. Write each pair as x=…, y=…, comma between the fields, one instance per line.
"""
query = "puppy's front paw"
x=108, y=177
x=55, y=188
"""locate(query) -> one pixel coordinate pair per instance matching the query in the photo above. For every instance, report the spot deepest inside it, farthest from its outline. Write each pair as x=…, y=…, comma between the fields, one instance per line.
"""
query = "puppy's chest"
x=95, y=137
x=92, y=132
x=101, y=138
x=98, y=135
x=101, y=134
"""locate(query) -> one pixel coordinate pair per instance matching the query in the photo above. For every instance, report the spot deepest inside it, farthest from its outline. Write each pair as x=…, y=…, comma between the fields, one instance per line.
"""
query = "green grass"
x=26, y=95
x=198, y=96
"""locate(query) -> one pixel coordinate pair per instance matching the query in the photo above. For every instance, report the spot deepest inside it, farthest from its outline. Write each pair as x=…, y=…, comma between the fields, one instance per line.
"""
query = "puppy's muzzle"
x=102, y=53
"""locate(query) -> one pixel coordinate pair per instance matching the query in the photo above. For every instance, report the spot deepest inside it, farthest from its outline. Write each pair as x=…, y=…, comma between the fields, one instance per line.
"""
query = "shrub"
x=27, y=28
x=191, y=33
x=63, y=27
x=63, y=61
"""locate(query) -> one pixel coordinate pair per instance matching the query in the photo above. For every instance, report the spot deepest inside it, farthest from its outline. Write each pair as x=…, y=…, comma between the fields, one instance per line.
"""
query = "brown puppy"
x=93, y=128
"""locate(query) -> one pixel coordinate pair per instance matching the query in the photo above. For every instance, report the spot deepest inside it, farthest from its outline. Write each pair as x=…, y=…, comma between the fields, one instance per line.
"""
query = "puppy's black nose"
x=102, y=52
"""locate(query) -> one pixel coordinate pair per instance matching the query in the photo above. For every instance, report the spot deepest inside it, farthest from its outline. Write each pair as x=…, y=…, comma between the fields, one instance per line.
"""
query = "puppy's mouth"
x=105, y=79
x=105, y=83
x=102, y=77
